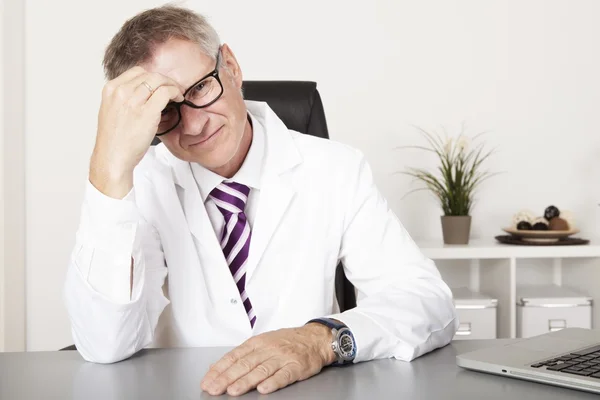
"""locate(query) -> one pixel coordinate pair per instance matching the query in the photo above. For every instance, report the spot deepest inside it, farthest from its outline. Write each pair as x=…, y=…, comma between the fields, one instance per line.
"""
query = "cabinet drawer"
x=476, y=324
x=533, y=321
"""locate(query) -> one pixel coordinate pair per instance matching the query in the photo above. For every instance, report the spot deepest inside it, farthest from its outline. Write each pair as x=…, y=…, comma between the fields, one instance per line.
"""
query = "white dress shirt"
x=318, y=205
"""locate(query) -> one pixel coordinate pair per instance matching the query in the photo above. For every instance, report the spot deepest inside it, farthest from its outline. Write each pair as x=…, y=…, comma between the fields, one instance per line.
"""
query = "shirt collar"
x=250, y=172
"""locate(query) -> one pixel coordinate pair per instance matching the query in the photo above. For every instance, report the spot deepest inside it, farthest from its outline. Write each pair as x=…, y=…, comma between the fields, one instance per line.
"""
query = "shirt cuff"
x=108, y=211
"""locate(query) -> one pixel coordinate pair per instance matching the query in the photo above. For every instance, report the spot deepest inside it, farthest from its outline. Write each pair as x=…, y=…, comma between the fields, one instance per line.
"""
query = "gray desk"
x=176, y=373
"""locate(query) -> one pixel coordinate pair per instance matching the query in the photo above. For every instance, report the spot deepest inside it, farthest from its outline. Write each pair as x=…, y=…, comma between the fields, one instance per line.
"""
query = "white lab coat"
x=318, y=204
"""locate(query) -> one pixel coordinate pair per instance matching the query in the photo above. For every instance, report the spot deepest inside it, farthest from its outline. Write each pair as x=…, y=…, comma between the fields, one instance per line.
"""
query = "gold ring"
x=148, y=87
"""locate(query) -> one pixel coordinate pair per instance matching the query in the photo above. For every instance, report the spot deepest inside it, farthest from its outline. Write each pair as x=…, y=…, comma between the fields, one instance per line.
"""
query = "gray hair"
x=139, y=36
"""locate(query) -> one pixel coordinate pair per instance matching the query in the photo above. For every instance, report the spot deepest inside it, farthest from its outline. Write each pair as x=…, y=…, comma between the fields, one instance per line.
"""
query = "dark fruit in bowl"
x=540, y=226
x=551, y=212
x=524, y=226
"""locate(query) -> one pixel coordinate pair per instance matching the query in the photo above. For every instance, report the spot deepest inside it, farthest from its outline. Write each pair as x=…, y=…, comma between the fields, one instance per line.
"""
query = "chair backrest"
x=299, y=106
x=297, y=103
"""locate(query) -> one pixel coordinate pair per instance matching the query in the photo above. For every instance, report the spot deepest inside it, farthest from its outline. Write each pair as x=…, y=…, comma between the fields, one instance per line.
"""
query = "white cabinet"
x=476, y=314
x=497, y=270
x=547, y=308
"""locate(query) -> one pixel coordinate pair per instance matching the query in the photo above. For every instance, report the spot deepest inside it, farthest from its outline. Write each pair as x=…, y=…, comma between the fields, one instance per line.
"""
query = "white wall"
x=526, y=70
x=12, y=260
x=2, y=280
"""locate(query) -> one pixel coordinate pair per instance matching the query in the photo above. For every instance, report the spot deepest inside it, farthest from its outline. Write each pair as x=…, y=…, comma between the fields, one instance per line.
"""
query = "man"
x=247, y=218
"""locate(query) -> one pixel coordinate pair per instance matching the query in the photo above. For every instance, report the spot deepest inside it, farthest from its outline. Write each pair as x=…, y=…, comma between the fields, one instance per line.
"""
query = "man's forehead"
x=181, y=61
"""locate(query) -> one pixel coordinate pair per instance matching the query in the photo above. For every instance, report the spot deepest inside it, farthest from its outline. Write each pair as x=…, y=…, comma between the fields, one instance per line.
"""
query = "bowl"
x=533, y=235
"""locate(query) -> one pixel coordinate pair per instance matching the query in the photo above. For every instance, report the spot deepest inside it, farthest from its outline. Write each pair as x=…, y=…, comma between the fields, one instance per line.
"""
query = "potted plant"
x=455, y=180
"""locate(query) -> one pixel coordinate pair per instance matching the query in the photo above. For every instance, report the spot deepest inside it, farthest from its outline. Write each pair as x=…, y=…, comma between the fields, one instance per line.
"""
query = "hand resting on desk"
x=271, y=361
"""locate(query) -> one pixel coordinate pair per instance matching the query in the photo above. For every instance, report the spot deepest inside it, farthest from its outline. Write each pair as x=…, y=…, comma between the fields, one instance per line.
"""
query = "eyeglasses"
x=200, y=95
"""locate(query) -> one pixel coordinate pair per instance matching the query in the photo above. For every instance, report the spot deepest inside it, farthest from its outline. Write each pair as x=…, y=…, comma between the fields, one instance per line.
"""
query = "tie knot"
x=230, y=197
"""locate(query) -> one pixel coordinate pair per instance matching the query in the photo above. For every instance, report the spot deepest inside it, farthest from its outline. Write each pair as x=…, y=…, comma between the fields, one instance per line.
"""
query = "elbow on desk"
x=435, y=340
x=104, y=355
x=438, y=339
x=105, y=332
x=106, y=352
x=442, y=328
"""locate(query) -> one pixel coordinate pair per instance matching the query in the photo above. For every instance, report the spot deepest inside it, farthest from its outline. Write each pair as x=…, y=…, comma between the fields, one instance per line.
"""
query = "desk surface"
x=176, y=374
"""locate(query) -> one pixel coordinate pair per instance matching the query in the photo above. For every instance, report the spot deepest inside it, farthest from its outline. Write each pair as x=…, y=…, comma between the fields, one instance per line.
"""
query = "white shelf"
x=495, y=269
x=491, y=249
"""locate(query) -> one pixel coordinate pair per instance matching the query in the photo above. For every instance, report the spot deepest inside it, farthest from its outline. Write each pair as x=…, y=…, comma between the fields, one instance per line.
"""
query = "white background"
x=2, y=305
x=527, y=71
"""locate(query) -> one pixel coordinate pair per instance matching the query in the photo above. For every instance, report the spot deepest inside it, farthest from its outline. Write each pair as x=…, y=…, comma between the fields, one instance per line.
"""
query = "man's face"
x=209, y=136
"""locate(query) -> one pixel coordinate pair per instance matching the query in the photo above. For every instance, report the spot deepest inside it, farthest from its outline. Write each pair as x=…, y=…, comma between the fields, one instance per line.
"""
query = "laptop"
x=569, y=358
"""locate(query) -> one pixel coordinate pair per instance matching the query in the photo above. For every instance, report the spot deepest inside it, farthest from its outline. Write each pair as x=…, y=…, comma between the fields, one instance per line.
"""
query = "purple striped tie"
x=230, y=198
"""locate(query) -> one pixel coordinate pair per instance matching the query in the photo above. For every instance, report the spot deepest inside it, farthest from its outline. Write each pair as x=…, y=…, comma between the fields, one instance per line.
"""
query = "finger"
x=225, y=362
x=239, y=369
x=159, y=100
x=143, y=86
x=248, y=382
x=127, y=76
x=280, y=379
x=143, y=93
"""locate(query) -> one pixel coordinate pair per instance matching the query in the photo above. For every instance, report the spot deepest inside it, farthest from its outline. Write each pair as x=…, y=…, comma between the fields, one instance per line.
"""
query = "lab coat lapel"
x=198, y=221
x=276, y=192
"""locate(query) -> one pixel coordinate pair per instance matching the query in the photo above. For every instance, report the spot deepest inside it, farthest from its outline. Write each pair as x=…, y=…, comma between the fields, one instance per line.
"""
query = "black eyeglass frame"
x=177, y=104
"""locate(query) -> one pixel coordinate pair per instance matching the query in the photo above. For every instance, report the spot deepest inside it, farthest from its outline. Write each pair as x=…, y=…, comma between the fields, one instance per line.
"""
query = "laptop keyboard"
x=583, y=363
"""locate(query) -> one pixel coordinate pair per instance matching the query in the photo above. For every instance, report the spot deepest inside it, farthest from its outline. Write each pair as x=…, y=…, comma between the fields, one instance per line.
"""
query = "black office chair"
x=299, y=106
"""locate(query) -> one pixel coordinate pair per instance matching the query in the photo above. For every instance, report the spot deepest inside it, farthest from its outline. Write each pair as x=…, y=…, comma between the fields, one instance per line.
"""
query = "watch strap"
x=328, y=322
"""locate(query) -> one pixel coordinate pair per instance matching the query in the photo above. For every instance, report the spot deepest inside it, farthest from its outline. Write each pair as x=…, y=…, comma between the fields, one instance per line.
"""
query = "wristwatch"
x=343, y=344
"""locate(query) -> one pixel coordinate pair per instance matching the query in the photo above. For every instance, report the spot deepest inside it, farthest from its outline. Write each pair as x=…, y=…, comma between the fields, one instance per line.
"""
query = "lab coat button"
x=233, y=301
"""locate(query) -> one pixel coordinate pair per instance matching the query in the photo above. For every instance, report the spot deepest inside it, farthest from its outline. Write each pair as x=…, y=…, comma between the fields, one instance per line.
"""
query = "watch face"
x=347, y=346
